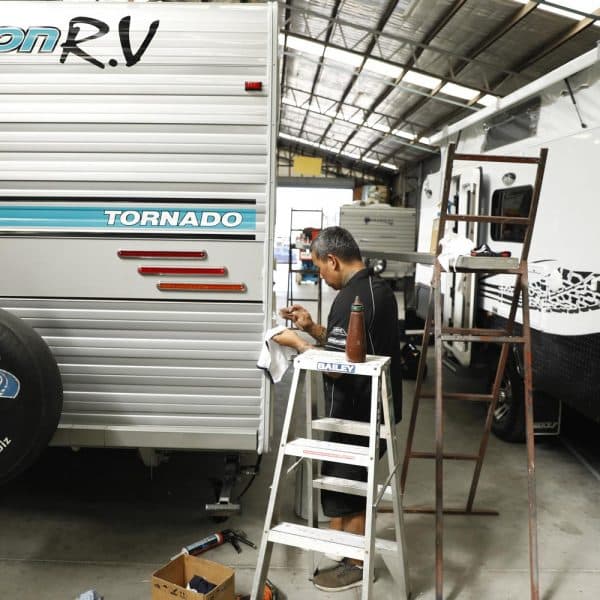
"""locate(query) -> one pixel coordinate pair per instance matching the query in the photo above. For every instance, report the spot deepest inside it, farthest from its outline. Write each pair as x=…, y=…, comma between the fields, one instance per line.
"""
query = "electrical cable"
x=256, y=469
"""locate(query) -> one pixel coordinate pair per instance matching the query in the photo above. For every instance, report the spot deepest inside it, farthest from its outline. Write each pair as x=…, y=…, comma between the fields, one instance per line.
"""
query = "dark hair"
x=337, y=241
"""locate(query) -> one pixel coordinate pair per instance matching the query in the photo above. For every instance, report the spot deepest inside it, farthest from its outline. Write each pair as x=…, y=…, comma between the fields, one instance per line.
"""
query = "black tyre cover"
x=30, y=395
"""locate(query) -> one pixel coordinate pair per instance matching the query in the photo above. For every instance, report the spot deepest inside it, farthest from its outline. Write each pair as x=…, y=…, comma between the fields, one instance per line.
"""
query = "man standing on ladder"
x=335, y=252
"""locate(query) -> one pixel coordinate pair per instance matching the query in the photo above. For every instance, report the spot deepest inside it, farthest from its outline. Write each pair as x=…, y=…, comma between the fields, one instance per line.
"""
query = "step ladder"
x=309, y=537
x=506, y=337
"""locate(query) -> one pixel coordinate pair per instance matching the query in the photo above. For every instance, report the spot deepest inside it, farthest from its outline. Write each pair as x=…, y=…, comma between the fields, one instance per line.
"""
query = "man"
x=336, y=254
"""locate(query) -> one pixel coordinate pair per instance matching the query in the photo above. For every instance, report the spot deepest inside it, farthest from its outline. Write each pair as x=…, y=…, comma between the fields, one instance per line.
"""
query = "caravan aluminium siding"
x=170, y=153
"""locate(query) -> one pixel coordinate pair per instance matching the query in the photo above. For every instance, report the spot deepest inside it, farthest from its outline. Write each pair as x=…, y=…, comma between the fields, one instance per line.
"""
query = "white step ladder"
x=327, y=540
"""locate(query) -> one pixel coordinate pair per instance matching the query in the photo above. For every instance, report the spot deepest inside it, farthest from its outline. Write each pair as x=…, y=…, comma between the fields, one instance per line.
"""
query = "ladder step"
x=454, y=334
x=461, y=396
x=348, y=454
x=450, y=456
x=349, y=486
x=346, y=426
x=327, y=541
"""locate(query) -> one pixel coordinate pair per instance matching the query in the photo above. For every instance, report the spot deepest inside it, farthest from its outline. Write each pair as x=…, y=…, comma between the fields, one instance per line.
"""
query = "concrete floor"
x=100, y=519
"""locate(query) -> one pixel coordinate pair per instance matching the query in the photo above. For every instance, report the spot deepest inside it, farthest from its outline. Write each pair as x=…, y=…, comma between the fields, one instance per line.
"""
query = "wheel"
x=509, y=416
x=30, y=395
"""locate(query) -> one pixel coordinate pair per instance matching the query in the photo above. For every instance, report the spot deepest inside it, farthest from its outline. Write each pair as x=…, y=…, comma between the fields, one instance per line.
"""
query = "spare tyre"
x=30, y=395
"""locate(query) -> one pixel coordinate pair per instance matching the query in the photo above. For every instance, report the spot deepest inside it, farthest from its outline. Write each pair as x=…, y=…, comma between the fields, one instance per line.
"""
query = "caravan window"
x=510, y=202
x=516, y=123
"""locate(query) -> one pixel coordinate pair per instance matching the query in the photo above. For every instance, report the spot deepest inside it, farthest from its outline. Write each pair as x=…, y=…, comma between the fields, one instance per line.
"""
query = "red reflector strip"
x=201, y=254
x=201, y=287
x=182, y=270
x=253, y=86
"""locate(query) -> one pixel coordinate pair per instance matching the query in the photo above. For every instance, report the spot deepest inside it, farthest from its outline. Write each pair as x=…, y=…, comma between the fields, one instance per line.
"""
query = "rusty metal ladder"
x=505, y=337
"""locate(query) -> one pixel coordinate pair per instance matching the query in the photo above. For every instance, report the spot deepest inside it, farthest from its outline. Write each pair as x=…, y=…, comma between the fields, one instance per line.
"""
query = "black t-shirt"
x=351, y=393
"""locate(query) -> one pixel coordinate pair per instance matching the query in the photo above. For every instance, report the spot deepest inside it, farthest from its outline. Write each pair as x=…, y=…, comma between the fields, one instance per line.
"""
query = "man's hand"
x=299, y=316
x=289, y=338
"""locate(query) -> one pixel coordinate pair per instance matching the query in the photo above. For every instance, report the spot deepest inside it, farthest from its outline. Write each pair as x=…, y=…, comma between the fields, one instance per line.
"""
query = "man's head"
x=336, y=254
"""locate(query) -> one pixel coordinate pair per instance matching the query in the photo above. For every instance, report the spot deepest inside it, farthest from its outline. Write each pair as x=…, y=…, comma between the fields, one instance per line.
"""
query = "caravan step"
x=348, y=454
x=327, y=541
x=349, y=486
x=346, y=426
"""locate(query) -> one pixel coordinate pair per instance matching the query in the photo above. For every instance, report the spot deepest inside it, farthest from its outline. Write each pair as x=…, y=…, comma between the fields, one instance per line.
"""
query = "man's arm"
x=291, y=339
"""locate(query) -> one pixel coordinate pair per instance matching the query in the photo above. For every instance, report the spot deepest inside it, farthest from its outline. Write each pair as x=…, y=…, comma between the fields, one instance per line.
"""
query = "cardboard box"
x=171, y=580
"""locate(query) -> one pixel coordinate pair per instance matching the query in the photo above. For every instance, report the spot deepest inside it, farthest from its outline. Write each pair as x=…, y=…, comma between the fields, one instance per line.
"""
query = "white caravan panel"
x=146, y=128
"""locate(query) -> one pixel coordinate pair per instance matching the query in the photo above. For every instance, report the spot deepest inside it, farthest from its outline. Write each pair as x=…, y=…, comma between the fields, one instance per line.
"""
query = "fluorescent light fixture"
x=488, y=100
x=343, y=56
x=303, y=45
x=419, y=79
x=404, y=134
x=357, y=118
x=295, y=138
x=425, y=140
x=382, y=127
x=371, y=161
x=351, y=154
x=588, y=6
x=389, y=166
x=459, y=91
x=383, y=68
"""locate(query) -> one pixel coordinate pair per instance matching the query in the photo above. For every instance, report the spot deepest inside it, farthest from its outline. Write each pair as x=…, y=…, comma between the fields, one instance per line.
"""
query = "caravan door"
x=458, y=289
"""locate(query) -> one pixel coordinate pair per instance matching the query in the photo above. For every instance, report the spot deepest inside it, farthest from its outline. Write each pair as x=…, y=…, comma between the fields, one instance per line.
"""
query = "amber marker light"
x=182, y=270
x=198, y=254
x=201, y=287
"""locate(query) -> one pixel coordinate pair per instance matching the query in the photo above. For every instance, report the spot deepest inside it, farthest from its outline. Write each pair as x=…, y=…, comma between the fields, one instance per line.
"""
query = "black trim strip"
x=131, y=236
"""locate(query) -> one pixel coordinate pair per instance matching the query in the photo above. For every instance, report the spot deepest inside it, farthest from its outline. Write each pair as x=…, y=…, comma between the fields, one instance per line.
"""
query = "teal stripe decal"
x=71, y=218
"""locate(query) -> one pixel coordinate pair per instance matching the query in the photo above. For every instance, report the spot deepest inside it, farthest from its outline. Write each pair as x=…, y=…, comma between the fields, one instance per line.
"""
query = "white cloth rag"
x=275, y=358
x=453, y=246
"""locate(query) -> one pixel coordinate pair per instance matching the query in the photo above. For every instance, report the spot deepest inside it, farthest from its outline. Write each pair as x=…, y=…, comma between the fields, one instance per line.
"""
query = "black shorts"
x=342, y=406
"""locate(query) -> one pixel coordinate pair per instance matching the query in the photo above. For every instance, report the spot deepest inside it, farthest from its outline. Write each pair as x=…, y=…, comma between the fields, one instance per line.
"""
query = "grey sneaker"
x=343, y=576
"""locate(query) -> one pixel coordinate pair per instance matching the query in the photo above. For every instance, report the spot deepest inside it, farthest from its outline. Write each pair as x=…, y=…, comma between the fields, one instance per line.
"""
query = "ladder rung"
x=479, y=335
x=497, y=158
x=499, y=339
x=449, y=456
x=349, y=486
x=346, y=426
x=461, y=396
x=348, y=454
x=325, y=540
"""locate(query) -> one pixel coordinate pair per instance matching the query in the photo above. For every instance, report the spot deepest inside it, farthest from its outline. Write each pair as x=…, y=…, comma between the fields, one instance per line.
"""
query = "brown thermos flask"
x=356, y=340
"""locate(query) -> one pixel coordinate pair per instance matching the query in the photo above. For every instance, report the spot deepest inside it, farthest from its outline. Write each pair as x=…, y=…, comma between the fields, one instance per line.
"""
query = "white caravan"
x=381, y=229
x=561, y=112
x=136, y=216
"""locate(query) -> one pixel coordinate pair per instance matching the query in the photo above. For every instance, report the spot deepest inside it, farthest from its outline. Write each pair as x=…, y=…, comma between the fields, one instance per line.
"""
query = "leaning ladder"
x=505, y=337
x=309, y=537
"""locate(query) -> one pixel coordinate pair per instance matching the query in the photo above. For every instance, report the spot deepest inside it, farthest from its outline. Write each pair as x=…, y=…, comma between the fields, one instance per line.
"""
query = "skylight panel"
x=383, y=68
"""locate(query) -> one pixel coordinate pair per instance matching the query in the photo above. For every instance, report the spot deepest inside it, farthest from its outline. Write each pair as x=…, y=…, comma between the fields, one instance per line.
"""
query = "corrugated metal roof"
x=492, y=46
